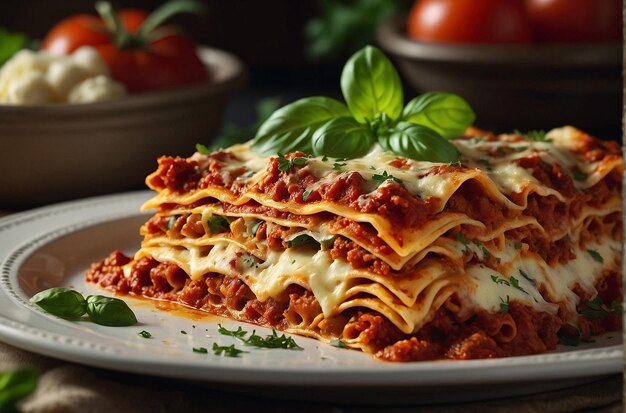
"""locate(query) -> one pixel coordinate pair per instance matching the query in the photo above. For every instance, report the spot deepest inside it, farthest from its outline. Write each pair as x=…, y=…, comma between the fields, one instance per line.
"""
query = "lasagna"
x=506, y=252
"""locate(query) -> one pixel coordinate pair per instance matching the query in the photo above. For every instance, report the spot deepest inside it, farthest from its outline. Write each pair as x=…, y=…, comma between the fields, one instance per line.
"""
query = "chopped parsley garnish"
x=272, y=341
x=203, y=149
x=512, y=282
x=218, y=224
x=324, y=158
x=534, y=135
x=183, y=332
x=285, y=164
x=486, y=253
x=504, y=304
x=596, y=256
x=384, y=177
x=233, y=333
x=597, y=309
x=302, y=240
x=305, y=195
x=579, y=176
x=145, y=334
x=528, y=277
x=338, y=343
x=228, y=351
x=201, y=350
x=337, y=166
x=461, y=238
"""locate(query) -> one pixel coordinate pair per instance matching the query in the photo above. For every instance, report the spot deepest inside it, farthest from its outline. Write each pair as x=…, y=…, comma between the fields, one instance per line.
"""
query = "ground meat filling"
x=485, y=335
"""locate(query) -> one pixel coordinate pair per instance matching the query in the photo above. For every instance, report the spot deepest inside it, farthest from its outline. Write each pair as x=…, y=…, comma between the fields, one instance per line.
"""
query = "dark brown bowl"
x=518, y=86
x=57, y=152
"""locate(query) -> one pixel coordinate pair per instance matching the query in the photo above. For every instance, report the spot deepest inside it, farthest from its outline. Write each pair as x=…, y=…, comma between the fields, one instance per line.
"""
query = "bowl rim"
x=391, y=36
x=228, y=73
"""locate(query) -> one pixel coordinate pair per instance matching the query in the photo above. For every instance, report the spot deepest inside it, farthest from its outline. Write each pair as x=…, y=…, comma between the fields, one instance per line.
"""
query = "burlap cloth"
x=67, y=387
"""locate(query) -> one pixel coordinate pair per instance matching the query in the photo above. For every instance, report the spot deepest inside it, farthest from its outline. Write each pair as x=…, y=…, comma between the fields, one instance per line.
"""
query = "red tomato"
x=469, y=21
x=142, y=64
x=575, y=20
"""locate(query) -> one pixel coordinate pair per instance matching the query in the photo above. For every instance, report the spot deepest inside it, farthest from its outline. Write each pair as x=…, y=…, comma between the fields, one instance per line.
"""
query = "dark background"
x=268, y=35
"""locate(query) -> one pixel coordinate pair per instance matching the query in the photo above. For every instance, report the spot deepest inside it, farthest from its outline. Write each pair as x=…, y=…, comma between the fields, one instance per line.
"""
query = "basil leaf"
x=343, y=137
x=445, y=113
x=109, y=311
x=419, y=143
x=291, y=127
x=301, y=241
x=61, y=302
x=371, y=86
x=218, y=224
x=10, y=44
x=15, y=386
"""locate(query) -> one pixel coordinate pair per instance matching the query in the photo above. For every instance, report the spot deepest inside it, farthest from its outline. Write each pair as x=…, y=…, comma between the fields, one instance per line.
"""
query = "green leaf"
x=228, y=351
x=371, y=86
x=61, y=302
x=579, y=176
x=419, y=143
x=533, y=135
x=384, y=177
x=291, y=127
x=445, y=113
x=337, y=343
x=11, y=43
x=504, y=304
x=343, y=137
x=301, y=241
x=240, y=332
x=596, y=256
x=218, y=224
x=339, y=28
x=109, y=311
x=16, y=385
x=145, y=334
x=272, y=341
x=201, y=350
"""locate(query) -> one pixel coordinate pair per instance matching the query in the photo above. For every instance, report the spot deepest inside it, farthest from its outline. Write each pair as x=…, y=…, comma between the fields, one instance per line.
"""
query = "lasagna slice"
x=505, y=253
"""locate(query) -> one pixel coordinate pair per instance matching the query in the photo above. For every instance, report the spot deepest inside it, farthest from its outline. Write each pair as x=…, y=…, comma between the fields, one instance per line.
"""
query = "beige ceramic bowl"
x=58, y=152
x=521, y=87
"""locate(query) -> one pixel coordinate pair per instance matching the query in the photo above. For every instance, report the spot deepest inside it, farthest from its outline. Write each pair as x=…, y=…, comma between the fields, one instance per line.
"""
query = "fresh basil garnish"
x=109, y=311
x=291, y=127
x=301, y=241
x=371, y=86
x=445, y=113
x=218, y=224
x=61, y=302
x=343, y=137
x=16, y=385
x=420, y=143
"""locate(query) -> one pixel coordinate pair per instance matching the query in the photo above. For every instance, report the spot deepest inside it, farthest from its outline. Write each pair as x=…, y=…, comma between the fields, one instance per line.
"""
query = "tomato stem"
x=168, y=10
x=144, y=35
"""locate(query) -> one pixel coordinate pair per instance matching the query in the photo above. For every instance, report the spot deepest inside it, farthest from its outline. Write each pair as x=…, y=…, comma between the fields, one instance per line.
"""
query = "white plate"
x=53, y=246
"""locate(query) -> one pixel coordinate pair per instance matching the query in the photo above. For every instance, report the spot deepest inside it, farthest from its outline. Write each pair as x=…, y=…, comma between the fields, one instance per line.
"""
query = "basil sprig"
x=373, y=92
x=71, y=305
